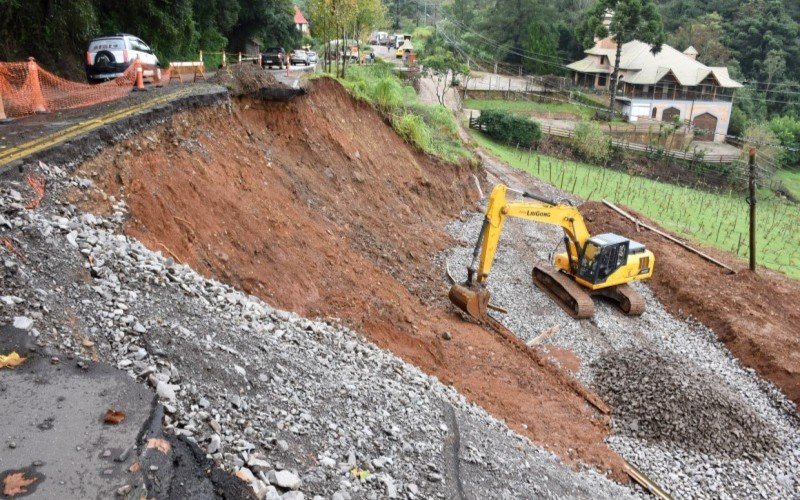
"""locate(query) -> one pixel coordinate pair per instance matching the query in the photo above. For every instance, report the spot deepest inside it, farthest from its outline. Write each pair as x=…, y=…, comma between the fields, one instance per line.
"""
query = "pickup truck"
x=273, y=56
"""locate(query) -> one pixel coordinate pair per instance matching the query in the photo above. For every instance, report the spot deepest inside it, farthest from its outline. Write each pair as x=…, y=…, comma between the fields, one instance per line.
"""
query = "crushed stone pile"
x=295, y=407
x=686, y=412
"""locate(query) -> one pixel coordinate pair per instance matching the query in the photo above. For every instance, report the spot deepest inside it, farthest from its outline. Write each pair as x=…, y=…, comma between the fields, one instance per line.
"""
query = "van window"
x=106, y=44
x=139, y=45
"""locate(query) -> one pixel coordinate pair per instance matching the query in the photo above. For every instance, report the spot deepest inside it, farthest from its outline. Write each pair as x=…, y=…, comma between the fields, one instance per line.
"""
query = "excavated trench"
x=317, y=206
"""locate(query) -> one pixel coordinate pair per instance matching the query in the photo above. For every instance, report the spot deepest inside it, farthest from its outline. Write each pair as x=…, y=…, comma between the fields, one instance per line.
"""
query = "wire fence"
x=27, y=88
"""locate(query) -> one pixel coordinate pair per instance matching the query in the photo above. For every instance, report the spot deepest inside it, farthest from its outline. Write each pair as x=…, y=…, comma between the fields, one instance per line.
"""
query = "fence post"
x=224, y=59
x=240, y=58
x=201, y=56
x=752, y=185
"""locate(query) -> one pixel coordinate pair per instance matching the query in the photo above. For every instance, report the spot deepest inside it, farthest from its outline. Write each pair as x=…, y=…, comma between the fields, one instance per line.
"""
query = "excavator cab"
x=602, y=255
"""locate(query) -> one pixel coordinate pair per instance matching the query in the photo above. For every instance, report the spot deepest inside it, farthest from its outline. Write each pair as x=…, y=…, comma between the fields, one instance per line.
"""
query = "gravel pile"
x=295, y=407
x=685, y=411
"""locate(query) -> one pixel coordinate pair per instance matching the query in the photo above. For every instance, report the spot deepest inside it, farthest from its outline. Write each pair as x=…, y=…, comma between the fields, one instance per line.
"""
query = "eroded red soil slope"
x=317, y=206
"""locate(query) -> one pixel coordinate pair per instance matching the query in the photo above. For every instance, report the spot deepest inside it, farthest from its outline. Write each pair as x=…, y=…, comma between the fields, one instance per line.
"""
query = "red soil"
x=755, y=315
x=317, y=206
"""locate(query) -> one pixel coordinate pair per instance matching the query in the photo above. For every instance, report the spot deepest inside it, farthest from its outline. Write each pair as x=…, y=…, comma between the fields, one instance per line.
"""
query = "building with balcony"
x=670, y=85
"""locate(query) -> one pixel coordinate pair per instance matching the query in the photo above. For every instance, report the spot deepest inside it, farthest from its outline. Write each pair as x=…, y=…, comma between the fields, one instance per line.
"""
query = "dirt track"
x=317, y=206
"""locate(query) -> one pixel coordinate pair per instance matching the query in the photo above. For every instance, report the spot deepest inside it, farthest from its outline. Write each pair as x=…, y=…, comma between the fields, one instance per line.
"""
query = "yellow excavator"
x=591, y=265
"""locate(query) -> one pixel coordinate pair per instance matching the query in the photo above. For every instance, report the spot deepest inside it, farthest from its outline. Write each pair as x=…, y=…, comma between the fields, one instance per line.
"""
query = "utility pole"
x=752, y=201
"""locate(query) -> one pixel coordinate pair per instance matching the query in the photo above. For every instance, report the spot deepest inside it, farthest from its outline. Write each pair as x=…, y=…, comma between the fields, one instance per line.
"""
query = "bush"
x=412, y=128
x=509, y=128
x=442, y=119
x=591, y=143
x=787, y=131
x=432, y=129
x=388, y=93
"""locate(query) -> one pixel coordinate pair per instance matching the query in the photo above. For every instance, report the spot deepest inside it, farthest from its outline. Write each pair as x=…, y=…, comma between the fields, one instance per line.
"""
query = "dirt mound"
x=721, y=422
x=756, y=315
x=243, y=79
x=317, y=206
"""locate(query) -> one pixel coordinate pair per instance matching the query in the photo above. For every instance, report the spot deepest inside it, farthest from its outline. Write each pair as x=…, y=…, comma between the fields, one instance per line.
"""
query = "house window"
x=601, y=81
x=655, y=111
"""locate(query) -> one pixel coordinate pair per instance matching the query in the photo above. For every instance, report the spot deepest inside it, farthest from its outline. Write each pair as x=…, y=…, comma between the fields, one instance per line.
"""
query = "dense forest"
x=57, y=32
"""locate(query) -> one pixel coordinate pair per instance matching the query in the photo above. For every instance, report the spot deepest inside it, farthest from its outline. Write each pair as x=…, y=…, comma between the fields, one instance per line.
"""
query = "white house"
x=665, y=86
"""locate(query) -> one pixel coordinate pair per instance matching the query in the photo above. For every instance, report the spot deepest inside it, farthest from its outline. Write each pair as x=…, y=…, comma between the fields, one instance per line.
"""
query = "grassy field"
x=716, y=219
x=530, y=107
x=790, y=180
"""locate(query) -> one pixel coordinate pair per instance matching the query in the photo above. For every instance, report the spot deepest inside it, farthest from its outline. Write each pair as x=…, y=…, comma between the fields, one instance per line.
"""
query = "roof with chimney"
x=648, y=68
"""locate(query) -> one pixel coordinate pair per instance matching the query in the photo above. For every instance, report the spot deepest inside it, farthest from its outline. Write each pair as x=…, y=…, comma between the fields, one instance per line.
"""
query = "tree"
x=704, y=34
x=787, y=131
x=774, y=66
x=760, y=27
x=443, y=68
x=542, y=43
x=632, y=20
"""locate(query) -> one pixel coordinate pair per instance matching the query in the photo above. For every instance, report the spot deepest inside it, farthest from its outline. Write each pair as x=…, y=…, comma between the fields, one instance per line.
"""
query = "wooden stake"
x=752, y=201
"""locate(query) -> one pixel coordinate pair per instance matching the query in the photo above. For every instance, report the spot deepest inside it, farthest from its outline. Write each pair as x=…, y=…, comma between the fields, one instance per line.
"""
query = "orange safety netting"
x=26, y=88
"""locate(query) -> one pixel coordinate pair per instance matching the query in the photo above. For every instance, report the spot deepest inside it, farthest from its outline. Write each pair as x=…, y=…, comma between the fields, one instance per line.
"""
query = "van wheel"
x=104, y=58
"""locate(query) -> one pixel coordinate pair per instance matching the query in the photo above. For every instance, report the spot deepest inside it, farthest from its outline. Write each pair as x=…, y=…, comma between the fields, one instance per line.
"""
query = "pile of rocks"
x=290, y=405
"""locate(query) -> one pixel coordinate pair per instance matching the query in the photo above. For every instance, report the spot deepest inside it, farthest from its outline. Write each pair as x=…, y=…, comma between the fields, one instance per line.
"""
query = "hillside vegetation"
x=58, y=33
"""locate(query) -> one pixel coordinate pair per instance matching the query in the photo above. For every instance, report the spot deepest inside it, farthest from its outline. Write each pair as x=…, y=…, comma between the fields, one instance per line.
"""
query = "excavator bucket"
x=473, y=302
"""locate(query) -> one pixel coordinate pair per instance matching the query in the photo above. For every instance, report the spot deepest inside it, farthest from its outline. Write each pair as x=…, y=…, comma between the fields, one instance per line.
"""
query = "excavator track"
x=567, y=294
x=628, y=300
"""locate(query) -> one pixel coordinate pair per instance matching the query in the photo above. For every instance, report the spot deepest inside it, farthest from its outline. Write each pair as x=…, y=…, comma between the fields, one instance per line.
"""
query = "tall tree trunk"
x=615, y=78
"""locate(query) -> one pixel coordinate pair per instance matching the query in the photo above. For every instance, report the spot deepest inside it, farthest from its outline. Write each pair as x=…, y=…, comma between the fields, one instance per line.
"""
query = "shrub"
x=442, y=119
x=787, y=131
x=509, y=128
x=412, y=128
x=591, y=143
x=388, y=93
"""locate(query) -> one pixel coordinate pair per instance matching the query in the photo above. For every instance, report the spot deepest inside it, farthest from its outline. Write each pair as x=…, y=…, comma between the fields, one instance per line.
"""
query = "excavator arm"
x=541, y=210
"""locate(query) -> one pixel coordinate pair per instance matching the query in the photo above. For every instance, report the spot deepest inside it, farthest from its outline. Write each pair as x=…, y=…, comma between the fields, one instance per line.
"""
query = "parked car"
x=109, y=56
x=312, y=57
x=273, y=56
x=299, y=57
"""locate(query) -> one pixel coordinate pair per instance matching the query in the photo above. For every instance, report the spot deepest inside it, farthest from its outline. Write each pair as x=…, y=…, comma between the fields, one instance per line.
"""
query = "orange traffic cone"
x=37, y=98
x=139, y=76
x=3, y=117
